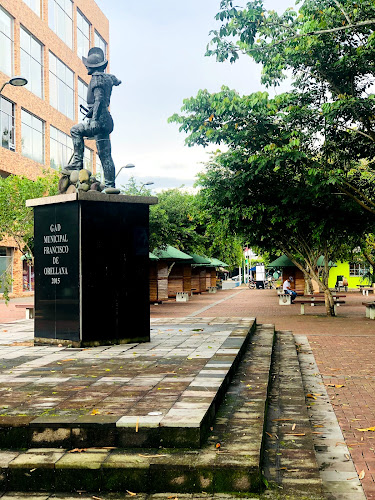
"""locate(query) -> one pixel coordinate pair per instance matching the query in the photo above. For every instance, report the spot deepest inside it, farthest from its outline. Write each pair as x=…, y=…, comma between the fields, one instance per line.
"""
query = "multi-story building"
x=44, y=41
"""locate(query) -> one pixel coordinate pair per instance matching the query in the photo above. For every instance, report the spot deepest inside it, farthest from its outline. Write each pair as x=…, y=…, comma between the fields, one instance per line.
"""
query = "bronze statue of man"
x=100, y=123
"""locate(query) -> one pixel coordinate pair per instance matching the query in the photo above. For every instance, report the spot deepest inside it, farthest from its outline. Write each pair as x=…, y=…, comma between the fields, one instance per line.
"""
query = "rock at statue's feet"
x=110, y=190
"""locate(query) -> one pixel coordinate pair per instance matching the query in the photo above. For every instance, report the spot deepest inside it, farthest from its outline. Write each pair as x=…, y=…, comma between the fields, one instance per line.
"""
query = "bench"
x=314, y=302
x=29, y=309
x=182, y=296
x=285, y=299
x=370, y=309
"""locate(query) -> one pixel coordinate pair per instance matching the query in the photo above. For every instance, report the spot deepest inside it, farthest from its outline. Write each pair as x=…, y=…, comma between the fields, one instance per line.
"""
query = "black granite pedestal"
x=91, y=269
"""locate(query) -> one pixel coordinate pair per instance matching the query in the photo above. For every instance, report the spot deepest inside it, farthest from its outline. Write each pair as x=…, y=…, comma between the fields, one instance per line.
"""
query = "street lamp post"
x=129, y=165
x=16, y=81
x=145, y=184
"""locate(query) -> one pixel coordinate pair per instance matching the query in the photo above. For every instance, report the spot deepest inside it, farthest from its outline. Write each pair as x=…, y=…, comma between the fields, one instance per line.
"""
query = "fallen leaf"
x=137, y=425
x=337, y=386
x=97, y=498
x=362, y=474
x=218, y=445
x=269, y=435
x=95, y=412
x=131, y=493
x=347, y=456
x=351, y=478
x=77, y=450
x=291, y=434
x=310, y=396
x=293, y=427
x=372, y=429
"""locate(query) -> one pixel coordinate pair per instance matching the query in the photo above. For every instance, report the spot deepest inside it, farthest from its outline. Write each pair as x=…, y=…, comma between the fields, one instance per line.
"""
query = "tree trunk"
x=329, y=302
x=309, y=289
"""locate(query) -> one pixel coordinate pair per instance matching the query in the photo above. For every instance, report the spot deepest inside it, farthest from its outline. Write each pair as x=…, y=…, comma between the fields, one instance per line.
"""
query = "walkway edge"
x=338, y=473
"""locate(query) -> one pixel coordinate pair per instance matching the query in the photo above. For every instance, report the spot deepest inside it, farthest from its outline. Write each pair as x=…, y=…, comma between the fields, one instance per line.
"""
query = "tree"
x=270, y=186
x=17, y=220
x=329, y=46
x=179, y=219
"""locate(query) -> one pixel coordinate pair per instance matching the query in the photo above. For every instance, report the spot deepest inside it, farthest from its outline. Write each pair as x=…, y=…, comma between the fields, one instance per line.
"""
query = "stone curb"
x=339, y=476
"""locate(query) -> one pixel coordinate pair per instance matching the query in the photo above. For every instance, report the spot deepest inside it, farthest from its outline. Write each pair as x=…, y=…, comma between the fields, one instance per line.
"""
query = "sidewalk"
x=343, y=346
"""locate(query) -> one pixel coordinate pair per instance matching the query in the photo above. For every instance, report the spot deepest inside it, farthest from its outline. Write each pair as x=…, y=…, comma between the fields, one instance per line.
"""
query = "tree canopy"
x=297, y=172
x=180, y=220
x=17, y=220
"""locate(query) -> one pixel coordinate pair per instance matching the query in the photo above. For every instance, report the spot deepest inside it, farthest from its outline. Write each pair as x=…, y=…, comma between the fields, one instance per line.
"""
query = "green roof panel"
x=171, y=253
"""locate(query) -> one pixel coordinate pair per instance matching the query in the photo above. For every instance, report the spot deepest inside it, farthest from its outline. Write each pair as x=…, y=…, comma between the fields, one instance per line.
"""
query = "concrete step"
x=183, y=423
x=289, y=461
x=229, y=462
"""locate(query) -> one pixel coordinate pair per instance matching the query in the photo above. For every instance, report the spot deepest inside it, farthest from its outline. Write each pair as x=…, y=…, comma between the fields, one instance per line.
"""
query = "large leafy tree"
x=181, y=220
x=270, y=184
x=329, y=48
x=17, y=220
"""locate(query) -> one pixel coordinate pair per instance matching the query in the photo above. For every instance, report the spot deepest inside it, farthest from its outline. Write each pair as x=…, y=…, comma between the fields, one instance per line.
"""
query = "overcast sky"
x=157, y=49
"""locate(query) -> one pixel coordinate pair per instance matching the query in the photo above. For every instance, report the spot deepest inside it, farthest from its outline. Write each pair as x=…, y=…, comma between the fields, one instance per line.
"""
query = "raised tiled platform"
x=232, y=467
x=165, y=392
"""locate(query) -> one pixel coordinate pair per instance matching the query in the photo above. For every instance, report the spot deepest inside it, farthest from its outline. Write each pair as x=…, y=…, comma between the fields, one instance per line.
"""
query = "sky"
x=157, y=49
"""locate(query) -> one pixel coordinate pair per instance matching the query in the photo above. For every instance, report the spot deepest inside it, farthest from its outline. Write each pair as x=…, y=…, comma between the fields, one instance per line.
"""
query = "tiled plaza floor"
x=343, y=347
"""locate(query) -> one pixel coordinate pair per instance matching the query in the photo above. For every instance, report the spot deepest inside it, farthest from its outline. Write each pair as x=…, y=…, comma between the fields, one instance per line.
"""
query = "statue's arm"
x=98, y=103
x=115, y=80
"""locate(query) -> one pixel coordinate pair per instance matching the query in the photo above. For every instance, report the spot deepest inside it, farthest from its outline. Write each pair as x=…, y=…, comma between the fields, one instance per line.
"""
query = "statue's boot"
x=76, y=162
x=104, y=150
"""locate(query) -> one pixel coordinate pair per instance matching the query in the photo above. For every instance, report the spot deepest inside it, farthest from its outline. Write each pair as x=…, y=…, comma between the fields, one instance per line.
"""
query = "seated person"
x=287, y=288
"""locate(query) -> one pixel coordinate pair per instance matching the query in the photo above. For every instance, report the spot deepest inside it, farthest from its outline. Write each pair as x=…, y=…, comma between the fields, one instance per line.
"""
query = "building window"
x=83, y=35
x=7, y=124
x=60, y=19
x=6, y=269
x=61, y=86
x=6, y=42
x=28, y=276
x=32, y=133
x=357, y=269
x=87, y=159
x=61, y=148
x=32, y=62
x=34, y=5
x=82, y=96
x=100, y=42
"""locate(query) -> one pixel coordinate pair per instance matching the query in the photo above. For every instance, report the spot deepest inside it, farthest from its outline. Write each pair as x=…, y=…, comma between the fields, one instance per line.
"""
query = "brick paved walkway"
x=343, y=347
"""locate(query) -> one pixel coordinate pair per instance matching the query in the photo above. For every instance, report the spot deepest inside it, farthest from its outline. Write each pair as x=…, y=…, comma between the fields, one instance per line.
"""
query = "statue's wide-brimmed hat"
x=95, y=58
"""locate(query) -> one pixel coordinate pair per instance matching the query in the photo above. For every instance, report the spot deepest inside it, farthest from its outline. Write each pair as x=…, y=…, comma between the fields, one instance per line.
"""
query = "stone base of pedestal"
x=91, y=269
x=93, y=343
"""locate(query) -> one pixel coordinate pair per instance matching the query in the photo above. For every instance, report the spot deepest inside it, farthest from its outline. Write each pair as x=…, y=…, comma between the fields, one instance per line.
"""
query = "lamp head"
x=18, y=81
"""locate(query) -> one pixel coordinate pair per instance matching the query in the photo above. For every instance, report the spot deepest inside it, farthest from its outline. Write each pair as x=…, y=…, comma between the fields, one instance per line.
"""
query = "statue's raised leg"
x=103, y=145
